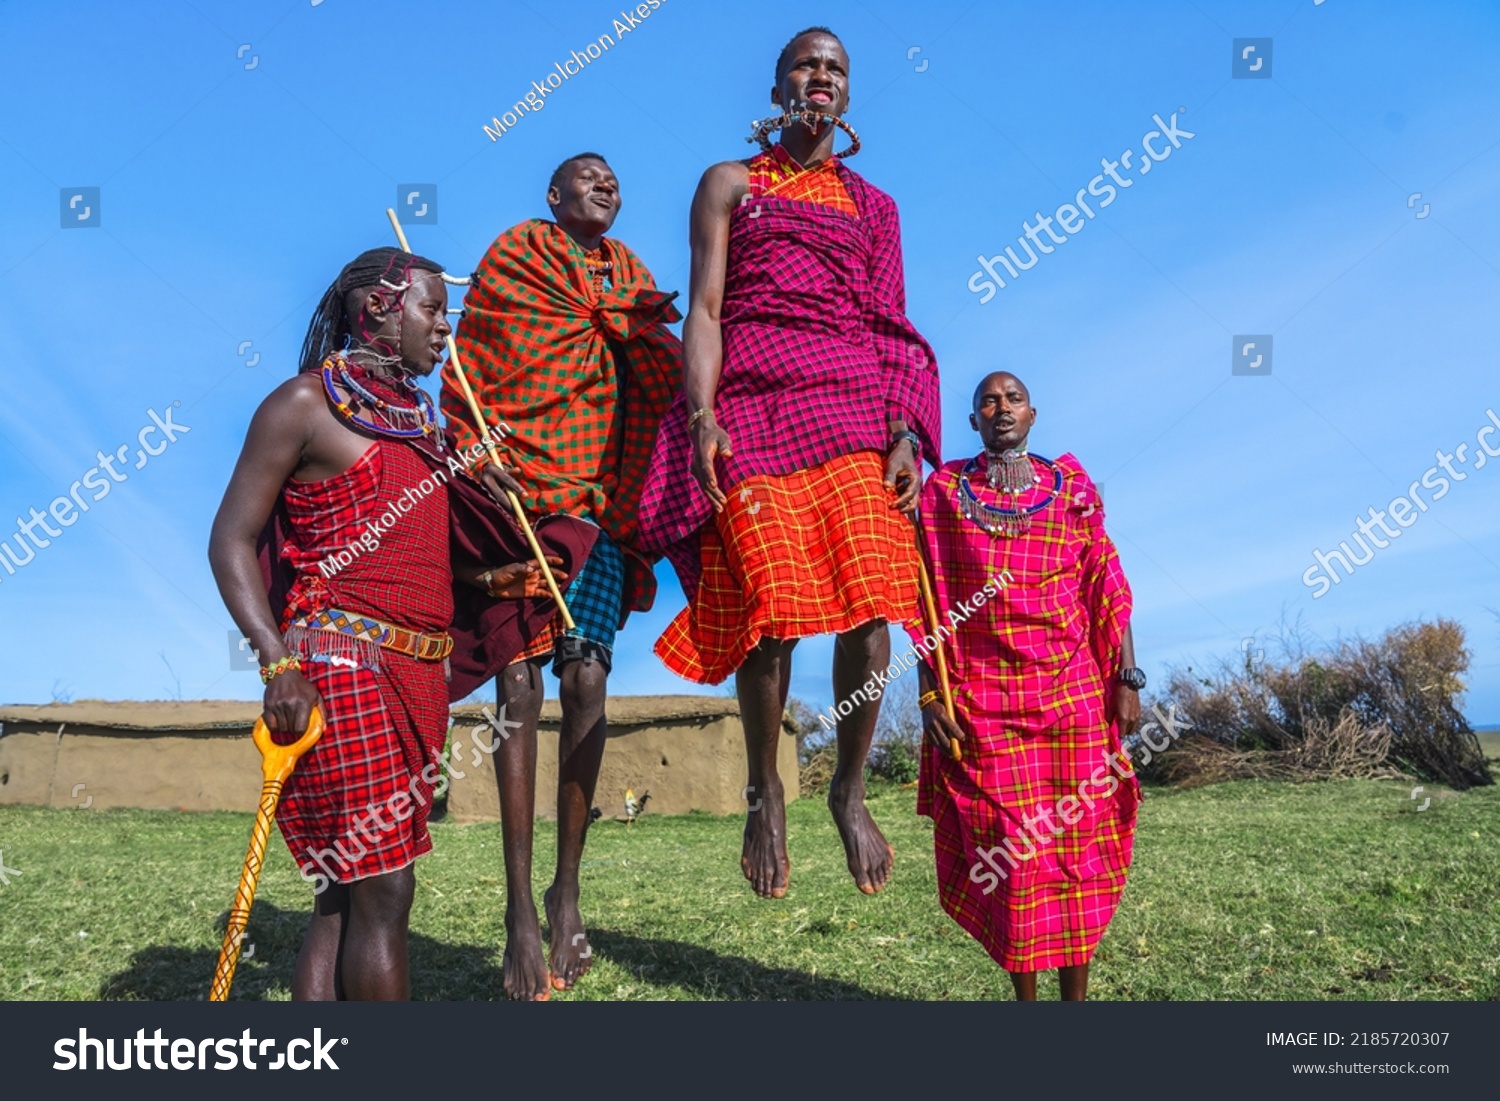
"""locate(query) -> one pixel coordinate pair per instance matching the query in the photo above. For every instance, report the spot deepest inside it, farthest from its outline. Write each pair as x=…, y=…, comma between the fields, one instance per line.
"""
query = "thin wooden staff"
x=276, y=764
x=489, y=442
x=929, y=605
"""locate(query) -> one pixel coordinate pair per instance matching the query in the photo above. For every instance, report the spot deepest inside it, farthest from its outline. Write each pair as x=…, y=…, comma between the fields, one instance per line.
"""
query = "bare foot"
x=524, y=971
x=870, y=856
x=571, y=956
x=764, y=860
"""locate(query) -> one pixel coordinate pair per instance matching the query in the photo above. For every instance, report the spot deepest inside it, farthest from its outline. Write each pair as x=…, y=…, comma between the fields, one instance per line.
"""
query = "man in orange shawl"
x=565, y=339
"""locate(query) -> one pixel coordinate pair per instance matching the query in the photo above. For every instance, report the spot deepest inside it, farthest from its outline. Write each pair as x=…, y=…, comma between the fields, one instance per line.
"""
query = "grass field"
x=1239, y=891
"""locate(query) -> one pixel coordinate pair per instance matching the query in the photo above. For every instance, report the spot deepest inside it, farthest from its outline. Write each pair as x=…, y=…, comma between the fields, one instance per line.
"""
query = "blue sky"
x=245, y=151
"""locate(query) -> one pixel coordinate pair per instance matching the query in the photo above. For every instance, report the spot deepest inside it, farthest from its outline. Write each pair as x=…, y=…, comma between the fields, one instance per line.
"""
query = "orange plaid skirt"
x=815, y=552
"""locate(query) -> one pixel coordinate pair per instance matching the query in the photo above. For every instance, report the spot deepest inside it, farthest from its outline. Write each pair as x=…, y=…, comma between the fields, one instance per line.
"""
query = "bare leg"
x=373, y=962
x=761, y=683
x=519, y=691
x=1025, y=984
x=1074, y=982
x=579, y=752
x=856, y=655
x=315, y=977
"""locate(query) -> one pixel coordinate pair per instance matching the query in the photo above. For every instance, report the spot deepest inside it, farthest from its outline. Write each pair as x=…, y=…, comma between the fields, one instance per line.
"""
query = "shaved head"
x=1003, y=413
x=998, y=377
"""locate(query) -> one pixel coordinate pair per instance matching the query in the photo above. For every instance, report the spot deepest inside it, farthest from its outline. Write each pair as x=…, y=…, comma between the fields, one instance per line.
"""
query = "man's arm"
x=279, y=434
x=887, y=277
x=721, y=188
x=1127, y=699
x=936, y=724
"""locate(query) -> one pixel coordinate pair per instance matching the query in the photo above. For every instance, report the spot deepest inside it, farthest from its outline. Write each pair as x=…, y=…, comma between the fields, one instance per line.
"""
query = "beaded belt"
x=413, y=644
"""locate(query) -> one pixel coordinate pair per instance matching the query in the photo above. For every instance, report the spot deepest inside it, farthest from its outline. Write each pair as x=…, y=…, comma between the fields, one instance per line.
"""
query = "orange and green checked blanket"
x=581, y=376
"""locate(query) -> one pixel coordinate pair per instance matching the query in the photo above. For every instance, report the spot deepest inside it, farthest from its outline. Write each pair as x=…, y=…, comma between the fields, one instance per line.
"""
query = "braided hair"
x=387, y=271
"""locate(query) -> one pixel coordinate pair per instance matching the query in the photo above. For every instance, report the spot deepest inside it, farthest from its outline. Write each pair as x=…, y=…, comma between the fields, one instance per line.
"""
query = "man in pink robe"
x=1032, y=799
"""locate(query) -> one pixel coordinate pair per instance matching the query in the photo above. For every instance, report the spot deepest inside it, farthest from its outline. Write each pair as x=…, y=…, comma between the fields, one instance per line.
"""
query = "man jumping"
x=564, y=334
x=782, y=474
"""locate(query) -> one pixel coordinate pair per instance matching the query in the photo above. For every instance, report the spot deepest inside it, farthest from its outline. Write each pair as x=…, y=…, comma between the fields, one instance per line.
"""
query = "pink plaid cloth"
x=1031, y=669
x=818, y=358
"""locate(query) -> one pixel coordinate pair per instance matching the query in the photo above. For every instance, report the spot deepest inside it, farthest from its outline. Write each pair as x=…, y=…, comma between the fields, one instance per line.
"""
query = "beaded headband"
x=760, y=131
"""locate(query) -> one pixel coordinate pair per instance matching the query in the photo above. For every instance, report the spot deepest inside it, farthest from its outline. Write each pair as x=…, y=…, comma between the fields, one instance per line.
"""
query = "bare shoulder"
x=297, y=401
x=725, y=181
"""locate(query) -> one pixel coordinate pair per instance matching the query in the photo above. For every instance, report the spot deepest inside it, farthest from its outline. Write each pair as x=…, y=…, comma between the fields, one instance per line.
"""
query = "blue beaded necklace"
x=1008, y=522
x=421, y=417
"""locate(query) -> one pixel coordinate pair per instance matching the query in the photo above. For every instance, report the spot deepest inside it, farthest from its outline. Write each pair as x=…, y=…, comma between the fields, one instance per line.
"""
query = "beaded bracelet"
x=926, y=698
x=275, y=669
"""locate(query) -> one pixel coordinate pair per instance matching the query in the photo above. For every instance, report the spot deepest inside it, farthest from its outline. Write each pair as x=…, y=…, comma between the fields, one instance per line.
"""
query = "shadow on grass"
x=709, y=975
x=463, y=972
x=440, y=971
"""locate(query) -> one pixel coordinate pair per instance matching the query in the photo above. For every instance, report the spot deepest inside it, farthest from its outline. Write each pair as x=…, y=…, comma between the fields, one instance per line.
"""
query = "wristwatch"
x=900, y=430
x=1132, y=678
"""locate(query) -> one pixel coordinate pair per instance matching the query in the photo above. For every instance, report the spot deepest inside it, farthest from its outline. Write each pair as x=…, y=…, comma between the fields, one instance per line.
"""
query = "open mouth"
x=820, y=96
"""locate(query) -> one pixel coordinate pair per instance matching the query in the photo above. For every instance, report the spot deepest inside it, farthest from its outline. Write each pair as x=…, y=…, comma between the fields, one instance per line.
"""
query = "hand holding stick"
x=930, y=615
x=276, y=764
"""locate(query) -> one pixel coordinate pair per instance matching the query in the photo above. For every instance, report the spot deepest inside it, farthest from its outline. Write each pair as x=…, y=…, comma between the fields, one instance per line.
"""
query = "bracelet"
x=275, y=669
x=698, y=416
x=926, y=698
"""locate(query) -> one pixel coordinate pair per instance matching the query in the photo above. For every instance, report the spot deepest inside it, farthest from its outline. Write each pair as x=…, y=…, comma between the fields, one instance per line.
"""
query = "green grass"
x=1239, y=891
x=1489, y=741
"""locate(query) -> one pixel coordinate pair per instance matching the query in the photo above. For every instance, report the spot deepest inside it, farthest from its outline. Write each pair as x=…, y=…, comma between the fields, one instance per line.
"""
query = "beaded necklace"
x=600, y=270
x=761, y=129
x=1000, y=520
x=400, y=421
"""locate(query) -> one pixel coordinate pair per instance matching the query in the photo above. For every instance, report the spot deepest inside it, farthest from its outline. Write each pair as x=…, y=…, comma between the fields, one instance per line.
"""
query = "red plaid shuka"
x=580, y=374
x=818, y=353
x=1037, y=622
x=384, y=725
x=817, y=552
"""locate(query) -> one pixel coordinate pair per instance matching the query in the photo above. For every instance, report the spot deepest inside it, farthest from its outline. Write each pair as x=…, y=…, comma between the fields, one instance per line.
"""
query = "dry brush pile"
x=1361, y=709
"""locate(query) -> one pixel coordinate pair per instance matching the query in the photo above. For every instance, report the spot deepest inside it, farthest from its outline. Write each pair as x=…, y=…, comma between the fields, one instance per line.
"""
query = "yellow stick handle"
x=276, y=764
x=484, y=434
x=929, y=604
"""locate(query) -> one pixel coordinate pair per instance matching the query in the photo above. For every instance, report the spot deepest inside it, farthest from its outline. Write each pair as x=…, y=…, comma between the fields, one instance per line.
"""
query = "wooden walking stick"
x=929, y=604
x=276, y=764
x=484, y=434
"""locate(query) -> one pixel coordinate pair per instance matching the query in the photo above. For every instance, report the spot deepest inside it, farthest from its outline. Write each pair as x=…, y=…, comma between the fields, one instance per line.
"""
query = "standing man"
x=327, y=454
x=782, y=474
x=564, y=335
x=1034, y=823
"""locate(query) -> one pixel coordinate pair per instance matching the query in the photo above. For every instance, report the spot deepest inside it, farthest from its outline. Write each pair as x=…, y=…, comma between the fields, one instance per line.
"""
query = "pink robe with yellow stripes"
x=1033, y=829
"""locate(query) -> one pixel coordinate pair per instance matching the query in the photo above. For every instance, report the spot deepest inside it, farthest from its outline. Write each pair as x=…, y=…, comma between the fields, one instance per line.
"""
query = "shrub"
x=894, y=752
x=1400, y=692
